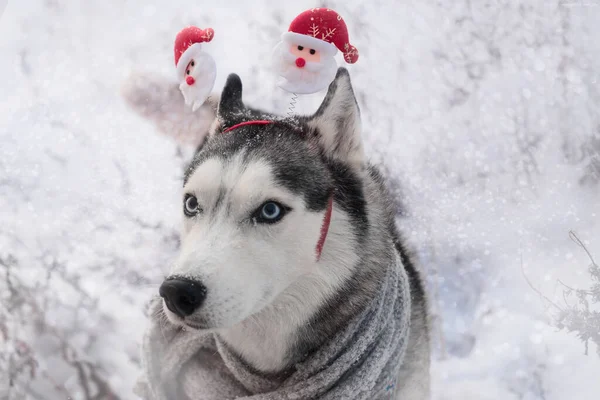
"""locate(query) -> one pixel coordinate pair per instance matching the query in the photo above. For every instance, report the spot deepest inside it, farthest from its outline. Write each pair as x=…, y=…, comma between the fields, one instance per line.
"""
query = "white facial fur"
x=244, y=265
x=264, y=339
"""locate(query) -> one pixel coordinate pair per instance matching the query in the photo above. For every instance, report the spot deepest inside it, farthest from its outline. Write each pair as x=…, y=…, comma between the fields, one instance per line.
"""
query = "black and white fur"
x=267, y=295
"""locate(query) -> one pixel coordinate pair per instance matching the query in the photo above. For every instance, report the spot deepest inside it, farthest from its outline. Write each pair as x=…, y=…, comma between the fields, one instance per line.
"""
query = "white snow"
x=471, y=106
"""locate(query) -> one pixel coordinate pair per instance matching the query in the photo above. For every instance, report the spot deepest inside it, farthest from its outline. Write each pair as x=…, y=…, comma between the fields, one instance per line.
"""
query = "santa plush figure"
x=196, y=69
x=305, y=57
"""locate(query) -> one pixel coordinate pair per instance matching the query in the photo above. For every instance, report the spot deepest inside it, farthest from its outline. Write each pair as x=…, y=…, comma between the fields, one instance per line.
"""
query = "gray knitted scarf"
x=361, y=361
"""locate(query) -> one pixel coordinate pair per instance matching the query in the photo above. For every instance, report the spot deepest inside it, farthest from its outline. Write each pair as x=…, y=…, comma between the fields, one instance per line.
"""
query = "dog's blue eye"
x=270, y=212
x=190, y=205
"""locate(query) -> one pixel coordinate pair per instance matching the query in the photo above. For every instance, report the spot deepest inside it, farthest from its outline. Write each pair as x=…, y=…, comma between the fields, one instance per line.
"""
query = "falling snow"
x=484, y=115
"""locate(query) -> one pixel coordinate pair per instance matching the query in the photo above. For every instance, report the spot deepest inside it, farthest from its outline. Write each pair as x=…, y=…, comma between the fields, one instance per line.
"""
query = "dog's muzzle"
x=182, y=296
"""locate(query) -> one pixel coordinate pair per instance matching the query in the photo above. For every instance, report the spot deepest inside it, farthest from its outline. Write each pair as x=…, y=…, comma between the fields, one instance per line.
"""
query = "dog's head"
x=255, y=202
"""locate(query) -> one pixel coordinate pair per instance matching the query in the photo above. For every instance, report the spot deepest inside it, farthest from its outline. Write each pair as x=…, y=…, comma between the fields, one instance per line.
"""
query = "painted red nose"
x=300, y=62
x=190, y=80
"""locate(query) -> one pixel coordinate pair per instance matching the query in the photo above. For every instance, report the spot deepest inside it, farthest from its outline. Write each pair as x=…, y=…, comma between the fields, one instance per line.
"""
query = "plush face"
x=189, y=72
x=303, y=70
x=309, y=55
x=198, y=79
x=253, y=204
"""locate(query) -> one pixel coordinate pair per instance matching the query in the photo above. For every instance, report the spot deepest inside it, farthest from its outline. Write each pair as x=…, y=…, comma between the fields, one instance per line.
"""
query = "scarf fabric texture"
x=360, y=362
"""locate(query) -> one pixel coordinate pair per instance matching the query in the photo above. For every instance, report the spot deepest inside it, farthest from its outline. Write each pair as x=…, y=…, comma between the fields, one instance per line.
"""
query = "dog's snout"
x=182, y=296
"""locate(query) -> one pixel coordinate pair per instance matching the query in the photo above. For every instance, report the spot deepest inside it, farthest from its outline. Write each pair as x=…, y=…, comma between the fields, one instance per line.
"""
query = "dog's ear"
x=232, y=110
x=231, y=105
x=159, y=100
x=336, y=124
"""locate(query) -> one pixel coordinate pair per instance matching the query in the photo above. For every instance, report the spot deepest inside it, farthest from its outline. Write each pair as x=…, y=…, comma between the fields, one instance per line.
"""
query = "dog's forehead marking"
x=256, y=175
x=206, y=177
x=243, y=181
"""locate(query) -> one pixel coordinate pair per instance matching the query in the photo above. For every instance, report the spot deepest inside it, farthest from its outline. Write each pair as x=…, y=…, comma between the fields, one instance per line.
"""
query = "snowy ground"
x=484, y=112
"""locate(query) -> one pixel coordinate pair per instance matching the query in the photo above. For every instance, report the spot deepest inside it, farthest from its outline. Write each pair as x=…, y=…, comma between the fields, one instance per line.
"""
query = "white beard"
x=205, y=74
x=310, y=79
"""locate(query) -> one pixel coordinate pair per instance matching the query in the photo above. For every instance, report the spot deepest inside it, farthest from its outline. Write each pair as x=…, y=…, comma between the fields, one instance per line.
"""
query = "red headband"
x=325, y=227
x=326, y=219
x=257, y=122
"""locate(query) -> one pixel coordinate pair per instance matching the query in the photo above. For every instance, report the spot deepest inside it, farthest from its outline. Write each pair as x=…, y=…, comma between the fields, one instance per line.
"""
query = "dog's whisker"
x=163, y=320
x=144, y=285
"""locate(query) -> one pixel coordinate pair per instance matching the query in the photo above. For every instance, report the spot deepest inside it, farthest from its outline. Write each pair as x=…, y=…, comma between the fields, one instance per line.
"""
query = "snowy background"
x=485, y=115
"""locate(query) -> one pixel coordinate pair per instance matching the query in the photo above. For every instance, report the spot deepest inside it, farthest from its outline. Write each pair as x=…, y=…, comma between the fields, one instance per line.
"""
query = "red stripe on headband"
x=324, y=228
x=257, y=122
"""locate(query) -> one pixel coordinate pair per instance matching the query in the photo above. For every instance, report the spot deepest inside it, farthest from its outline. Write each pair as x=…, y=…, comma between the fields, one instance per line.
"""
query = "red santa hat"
x=322, y=29
x=188, y=44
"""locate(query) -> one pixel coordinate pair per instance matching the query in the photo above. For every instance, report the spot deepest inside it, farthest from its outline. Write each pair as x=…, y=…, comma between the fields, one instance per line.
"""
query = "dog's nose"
x=300, y=62
x=182, y=296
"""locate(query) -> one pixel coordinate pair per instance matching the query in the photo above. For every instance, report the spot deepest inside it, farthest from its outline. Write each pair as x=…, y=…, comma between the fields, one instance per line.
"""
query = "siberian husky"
x=287, y=231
